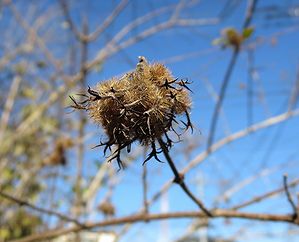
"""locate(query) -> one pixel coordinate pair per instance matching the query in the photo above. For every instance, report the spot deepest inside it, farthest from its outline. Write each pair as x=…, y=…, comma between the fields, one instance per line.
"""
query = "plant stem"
x=179, y=179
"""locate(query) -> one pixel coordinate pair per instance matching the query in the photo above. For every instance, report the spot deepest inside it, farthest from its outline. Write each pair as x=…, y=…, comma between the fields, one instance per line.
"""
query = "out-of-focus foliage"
x=19, y=223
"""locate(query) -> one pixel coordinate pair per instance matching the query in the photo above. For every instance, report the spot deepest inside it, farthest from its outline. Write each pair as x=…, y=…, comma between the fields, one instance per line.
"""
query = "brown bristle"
x=141, y=106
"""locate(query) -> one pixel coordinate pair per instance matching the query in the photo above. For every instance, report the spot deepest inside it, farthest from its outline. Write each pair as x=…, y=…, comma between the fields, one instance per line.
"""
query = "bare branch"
x=219, y=213
x=176, y=12
x=12, y=54
x=264, y=196
x=80, y=36
x=39, y=209
x=227, y=76
x=251, y=72
x=32, y=32
x=250, y=11
x=109, y=20
x=289, y=196
x=113, y=46
x=179, y=179
x=145, y=187
x=295, y=92
x=9, y=104
x=226, y=195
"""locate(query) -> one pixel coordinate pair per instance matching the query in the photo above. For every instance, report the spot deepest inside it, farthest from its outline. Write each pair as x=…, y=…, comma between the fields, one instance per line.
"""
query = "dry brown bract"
x=141, y=106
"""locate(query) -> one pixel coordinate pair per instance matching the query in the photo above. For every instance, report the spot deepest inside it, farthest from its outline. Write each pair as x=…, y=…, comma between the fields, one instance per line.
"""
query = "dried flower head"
x=140, y=106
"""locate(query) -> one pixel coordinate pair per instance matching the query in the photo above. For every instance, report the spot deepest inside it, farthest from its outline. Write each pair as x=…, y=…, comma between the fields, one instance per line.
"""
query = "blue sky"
x=275, y=62
x=274, y=150
x=276, y=66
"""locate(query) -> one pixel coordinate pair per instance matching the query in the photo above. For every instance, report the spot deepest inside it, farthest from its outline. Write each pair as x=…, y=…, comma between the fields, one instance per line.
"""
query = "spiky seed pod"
x=141, y=106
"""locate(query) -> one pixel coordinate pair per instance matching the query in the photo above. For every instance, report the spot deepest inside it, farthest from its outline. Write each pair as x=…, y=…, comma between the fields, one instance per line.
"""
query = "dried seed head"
x=141, y=106
x=107, y=208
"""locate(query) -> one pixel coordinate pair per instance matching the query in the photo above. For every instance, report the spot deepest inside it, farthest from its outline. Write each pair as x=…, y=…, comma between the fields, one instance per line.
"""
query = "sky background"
x=275, y=60
x=275, y=63
x=259, y=160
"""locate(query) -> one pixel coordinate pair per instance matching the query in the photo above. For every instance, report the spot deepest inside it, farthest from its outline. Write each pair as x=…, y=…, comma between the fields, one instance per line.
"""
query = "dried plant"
x=141, y=106
x=107, y=208
x=57, y=156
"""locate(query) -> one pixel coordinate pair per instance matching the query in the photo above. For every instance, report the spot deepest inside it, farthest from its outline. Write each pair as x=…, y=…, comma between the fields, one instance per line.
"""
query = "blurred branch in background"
x=41, y=210
x=149, y=217
x=248, y=18
x=50, y=178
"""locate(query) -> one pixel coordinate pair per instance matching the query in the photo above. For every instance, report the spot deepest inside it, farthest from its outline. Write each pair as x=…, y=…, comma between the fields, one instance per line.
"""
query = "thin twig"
x=8, y=57
x=226, y=195
x=289, y=196
x=251, y=71
x=214, y=96
x=250, y=10
x=224, y=85
x=82, y=122
x=36, y=38
x=39, y=209
x=80, y=36
x=109, y=20
x=227, y=77
x=111, y=47
x=295, y=93
x=179, y=179
x=264, y=196
x=144, y=186
x=9, y=104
